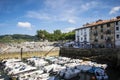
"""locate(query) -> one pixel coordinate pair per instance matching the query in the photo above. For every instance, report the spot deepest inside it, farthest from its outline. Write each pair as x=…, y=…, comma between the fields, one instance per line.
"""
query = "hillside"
x=17, y=38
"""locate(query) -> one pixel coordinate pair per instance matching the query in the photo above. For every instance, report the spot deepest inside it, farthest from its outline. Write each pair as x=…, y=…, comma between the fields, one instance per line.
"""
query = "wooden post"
x=21, y=53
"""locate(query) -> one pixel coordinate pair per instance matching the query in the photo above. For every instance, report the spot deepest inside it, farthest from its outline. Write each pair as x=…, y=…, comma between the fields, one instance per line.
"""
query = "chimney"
x=86, y=24
x=118, y=17
x=99, y=20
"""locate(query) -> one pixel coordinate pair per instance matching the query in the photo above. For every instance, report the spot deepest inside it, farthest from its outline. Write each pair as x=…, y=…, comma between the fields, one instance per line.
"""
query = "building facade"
x=102, y=33
x=82, y=36
x=117, y=33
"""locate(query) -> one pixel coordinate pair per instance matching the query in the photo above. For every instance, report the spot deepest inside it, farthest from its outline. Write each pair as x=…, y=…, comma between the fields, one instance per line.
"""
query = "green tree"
x=42, y=34
x=7, y=39
x=70, y=35
x=57, y=35
x=51, y=37
x=62, y=36
x=57, y=32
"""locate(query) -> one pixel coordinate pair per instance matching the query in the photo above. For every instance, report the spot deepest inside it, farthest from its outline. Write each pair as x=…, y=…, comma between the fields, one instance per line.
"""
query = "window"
x=117, y=23
x=95, y=33
x=96, y=40
x=81, y=39
x=101, y=36
x=95, y=27
x=108, y=31
x=101, y=30
x=117, y=28
x=84, y=29
x=91, y=28
x=117, y=36
x=85, y=33
x=101, y=26
x=108, y=39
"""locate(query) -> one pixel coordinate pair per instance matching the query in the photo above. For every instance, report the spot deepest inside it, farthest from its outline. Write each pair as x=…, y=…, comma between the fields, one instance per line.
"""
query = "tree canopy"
x=41, y=35
x=55, y=36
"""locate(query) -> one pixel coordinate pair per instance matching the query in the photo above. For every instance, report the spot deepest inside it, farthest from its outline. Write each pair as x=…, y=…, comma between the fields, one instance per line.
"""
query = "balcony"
x=108, y=31
x=95, y=33
x=96, y=40
x=108, y=39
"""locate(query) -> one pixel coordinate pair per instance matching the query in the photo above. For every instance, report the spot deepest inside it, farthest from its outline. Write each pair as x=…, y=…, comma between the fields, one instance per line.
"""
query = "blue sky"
x=27, y=16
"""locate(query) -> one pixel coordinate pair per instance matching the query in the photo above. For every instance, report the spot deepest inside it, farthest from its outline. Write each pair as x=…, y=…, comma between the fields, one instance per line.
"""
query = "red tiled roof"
x=102, y=22
x=99, y=22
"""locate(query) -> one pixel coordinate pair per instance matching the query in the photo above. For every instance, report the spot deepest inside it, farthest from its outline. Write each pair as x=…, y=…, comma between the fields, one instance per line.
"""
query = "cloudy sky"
x=27, y=16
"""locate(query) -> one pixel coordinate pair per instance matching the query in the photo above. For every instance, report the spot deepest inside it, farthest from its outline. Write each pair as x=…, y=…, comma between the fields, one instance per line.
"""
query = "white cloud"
x=68, y=29
x=38, y=15
x=114, y=10
x=24, y=25
x=71, y=21
x=62, y=10
x=88, y=5
x=56, y=3
x=67, y=16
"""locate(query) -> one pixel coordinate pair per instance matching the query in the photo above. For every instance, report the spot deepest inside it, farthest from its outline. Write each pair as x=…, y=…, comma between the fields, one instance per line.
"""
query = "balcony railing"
x=108, y=39
x=95, y=33
x=108, y=31
x=96, y=40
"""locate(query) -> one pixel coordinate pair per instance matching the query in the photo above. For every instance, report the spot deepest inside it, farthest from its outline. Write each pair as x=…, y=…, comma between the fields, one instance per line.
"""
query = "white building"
x=82, y=35
x=117, y=33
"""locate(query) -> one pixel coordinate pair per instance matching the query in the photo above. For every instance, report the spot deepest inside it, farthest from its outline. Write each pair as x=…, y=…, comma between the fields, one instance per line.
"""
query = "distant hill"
x=17, y=38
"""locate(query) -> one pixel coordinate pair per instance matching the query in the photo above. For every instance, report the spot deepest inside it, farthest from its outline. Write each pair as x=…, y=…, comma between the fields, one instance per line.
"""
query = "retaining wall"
x=110, y=56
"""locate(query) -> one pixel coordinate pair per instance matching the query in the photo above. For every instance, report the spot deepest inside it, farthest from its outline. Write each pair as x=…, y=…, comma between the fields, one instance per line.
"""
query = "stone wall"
x=110, y=56
x=105, y=31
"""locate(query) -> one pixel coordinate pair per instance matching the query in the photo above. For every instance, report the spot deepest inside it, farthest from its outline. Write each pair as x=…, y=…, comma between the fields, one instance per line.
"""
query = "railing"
x=108, y=32
x=95, y=33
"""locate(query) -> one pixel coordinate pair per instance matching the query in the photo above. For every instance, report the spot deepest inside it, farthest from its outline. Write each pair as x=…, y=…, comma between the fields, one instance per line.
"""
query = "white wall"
x=117, y=32
x=81, y=33
x=76, y=34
